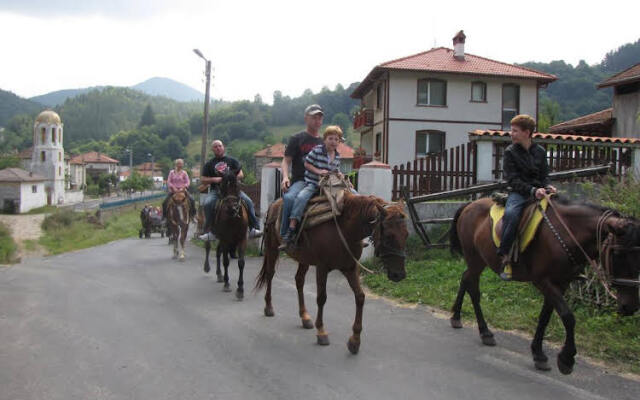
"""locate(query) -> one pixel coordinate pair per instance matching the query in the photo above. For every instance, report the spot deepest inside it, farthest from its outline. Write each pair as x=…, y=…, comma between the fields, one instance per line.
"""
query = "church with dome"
x=46, y=175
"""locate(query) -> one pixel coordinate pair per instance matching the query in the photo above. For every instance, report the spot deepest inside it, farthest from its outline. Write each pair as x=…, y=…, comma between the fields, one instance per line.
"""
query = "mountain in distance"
x=58, y=97
x=157, y=86
x=169, y=88
x=11, y=104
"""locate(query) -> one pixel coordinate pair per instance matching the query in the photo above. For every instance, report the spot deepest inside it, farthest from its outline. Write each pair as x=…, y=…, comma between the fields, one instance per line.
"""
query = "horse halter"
x=382, y=249
x=236, y=207
x=610, y=246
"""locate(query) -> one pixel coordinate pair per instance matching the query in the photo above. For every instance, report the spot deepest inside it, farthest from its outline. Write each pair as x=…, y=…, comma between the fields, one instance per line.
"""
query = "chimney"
x=458, y=46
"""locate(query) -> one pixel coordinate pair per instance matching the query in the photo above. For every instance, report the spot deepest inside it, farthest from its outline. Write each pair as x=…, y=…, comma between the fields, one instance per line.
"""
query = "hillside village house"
x=21, y=191
x=154, y=170
x=621, y=120
x=96, y=163
x=430, y=101
x=275, y=153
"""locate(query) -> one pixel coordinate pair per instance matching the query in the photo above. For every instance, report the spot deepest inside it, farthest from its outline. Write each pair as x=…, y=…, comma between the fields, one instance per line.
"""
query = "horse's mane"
x=565, y=201
x=360, y=205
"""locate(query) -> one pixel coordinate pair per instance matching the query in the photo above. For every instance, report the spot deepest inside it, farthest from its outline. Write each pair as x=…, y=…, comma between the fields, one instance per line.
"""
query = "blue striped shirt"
x=319, y=158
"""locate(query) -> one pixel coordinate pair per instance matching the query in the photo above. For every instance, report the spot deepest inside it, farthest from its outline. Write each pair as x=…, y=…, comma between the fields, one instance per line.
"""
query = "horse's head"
x=178, y=197
x=390, y=238
x=229, y=184
x=622, y=262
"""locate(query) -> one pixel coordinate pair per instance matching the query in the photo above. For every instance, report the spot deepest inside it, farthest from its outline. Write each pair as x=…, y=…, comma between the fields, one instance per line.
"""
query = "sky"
x=257, y=47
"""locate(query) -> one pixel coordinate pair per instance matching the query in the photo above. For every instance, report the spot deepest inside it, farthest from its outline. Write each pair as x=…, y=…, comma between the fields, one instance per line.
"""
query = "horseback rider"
x=212, y=174
x=178, y=181
x=526, y=171
x=297, y=149
x=320, y=161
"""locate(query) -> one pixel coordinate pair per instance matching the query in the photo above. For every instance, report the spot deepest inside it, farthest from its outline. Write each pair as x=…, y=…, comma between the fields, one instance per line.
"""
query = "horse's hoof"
x=353, y=346
x=488, y=339
x=307, y=324
x=564, y=368
x=542, y=365
x=323, y=340
x=174, y=256
x=181, y=258
x=206, y=269
x=226, y=288
x=220, y=279
x=456, y=323
x=240, y=294
x=268, y=312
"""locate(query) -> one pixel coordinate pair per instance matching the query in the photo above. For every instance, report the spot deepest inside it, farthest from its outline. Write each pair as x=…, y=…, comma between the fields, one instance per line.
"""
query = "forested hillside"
x=11, y=105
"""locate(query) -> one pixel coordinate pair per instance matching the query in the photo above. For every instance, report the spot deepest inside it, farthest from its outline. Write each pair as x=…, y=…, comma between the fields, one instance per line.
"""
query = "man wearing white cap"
x=299, y=145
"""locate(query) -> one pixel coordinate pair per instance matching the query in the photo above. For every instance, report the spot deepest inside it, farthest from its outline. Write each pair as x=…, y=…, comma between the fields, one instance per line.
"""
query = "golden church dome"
x=48, y=117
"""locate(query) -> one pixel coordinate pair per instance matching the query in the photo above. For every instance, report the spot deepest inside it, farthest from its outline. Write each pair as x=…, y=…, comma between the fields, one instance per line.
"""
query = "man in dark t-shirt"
x=212, y=174
x=299, y=145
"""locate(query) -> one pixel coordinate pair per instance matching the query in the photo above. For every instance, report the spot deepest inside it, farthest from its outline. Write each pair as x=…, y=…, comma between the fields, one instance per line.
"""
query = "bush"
x=622, y=196
x=60, y=219
x=7, y=245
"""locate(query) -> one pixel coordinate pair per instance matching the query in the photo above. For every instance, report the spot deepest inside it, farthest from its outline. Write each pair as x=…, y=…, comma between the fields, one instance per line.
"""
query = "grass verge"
x=433, y=278
x=68, y=231
x=7, y=246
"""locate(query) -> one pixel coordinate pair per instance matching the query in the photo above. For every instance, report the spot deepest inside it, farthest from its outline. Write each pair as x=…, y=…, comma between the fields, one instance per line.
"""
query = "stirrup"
x=507, y=273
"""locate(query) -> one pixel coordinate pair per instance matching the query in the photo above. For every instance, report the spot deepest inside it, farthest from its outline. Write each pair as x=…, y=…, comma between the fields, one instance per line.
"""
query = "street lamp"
x=203, y=149
x=153, y=180
x=129, y=151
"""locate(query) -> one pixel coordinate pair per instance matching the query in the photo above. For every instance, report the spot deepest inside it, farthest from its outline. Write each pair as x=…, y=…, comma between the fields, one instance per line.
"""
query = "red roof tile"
x=597, y=121
x=93, y=157
x=441, y=60
x=629, y=75
x=572, y=138
x=277, y=151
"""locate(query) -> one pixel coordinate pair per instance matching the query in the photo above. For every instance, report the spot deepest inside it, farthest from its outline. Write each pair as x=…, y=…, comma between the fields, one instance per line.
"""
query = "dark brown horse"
x=232, y=220
x=549, y=266
x=178, y=222
x=362, y=216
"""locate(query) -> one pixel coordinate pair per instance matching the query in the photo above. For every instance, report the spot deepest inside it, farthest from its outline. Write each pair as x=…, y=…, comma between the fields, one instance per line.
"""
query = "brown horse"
x=362, y=216
x=231, y=223
x=178, y=222
x=550, y=263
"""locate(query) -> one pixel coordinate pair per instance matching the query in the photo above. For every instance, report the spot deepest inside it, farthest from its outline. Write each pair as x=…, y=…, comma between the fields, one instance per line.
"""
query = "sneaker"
x=207, y=237
x=255, y=233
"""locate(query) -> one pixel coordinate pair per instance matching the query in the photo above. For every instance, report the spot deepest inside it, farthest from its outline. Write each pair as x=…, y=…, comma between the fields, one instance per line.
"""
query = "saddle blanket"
x=529, y=223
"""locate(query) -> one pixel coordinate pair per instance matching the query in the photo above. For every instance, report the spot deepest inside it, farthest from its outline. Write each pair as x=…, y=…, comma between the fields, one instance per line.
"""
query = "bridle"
x=382, y=248
x=606, y=246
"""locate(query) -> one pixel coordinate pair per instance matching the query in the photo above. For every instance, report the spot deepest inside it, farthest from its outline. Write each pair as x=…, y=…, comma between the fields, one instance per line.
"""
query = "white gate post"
x=267, y=187
x=375, y=178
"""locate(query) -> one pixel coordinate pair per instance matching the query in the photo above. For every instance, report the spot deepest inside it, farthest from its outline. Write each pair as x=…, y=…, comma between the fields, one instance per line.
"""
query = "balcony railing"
x=363, y=118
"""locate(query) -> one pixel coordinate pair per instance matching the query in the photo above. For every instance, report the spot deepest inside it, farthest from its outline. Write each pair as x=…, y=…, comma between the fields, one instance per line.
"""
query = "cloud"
x=129, y=9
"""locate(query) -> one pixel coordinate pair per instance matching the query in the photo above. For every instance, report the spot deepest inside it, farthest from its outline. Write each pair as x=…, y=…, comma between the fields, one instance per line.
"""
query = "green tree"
x=148, y=117
x=9, y=161
x=343, y=121
x=137, y=183
x=549, y=114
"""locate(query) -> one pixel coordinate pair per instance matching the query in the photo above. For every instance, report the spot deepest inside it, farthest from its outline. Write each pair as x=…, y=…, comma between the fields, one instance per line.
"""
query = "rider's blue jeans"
x=287, y=204
x=253, y=221
x=301, y=201
x=510, y=221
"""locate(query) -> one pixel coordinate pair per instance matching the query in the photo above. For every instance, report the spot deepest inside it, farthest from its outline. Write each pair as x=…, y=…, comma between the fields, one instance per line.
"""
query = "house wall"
x=106, y=167
x=626, y=111
x=9, y=191
x=30, y=200
x=73, y=196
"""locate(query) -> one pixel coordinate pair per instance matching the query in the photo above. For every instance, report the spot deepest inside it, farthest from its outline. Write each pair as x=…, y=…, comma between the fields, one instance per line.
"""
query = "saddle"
x=529, y=223
x=321, y=208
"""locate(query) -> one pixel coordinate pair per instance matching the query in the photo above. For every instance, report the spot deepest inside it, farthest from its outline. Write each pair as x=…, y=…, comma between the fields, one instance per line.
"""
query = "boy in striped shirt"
x=322, y=160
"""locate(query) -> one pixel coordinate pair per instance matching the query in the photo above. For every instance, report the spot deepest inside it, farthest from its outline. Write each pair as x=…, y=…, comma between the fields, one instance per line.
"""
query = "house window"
x=378, y=142
x=53, y=135
x=510, y=104
x=43, y=156
x=60, y=171
x=432, y=92
x=479, y=92
x=429, y=142
x=34, y=188
x=42, y=135
x=59, y=156
x=379, y=95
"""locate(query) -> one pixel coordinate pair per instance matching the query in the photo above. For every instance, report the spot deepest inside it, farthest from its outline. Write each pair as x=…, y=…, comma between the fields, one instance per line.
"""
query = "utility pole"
x=205, y=124
x=130, y=151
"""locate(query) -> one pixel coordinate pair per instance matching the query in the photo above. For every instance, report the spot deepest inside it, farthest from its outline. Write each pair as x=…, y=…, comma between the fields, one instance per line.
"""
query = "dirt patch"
x=25, y=231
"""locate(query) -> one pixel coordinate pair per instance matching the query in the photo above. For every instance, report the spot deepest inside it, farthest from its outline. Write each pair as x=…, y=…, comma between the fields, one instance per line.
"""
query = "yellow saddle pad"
x=526, y=231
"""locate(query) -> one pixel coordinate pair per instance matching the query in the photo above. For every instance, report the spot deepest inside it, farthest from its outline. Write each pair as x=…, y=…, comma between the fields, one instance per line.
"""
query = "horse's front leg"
x=354, y=281
x=304, y=315
x=225, y=263
x=240, y=290
x=554, y=294
x=321, y=298
x=218, y=270
x=183, y=237
x=207, y=249
x=539, y=358
x=175, y=245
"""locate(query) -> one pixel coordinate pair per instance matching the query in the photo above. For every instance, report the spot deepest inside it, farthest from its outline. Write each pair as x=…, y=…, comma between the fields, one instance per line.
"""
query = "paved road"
x=123, y=321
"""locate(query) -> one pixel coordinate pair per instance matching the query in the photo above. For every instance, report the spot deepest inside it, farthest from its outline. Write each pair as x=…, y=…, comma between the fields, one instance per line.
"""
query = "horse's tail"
x=271, y=252
x=454, y=240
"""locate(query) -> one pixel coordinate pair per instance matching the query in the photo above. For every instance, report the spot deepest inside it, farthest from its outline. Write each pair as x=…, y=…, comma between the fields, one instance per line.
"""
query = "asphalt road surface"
x=124, y=321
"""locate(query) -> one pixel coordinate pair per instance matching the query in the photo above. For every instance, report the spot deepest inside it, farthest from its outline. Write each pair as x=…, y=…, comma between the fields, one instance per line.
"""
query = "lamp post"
x=152, y=180
x=205, y=125
x=130, y=152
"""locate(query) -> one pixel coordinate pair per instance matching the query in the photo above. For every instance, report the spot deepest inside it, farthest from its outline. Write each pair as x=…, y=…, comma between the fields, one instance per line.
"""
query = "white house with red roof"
x=428, y=102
